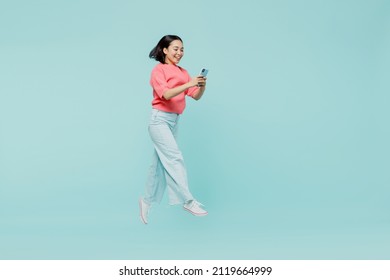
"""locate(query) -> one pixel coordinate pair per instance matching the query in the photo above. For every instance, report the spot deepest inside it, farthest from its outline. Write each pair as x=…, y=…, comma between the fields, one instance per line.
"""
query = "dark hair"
x=157, y=52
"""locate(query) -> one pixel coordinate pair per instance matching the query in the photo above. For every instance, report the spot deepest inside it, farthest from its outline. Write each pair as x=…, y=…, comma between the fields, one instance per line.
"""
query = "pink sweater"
x=167, y=76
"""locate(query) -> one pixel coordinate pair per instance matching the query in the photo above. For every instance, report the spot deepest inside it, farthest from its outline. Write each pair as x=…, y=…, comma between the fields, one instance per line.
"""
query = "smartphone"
x=203, y=72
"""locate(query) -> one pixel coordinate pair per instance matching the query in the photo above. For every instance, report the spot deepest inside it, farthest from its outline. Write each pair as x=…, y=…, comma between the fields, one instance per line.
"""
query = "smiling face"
x=174, y=52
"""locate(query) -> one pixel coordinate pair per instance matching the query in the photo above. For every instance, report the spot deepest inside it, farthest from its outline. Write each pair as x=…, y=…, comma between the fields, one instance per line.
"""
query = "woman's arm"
x=198, y=94
x=176, y=91
x=196, y=81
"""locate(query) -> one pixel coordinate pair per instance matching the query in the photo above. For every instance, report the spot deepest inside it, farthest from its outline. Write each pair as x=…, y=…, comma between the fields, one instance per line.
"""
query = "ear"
x=165, y=51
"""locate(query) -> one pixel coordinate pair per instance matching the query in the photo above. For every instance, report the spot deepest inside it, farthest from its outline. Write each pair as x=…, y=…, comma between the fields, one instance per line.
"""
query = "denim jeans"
x=167, y=168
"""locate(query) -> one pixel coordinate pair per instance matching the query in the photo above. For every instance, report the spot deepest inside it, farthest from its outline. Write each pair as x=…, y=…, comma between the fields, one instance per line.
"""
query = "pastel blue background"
x=288, y=148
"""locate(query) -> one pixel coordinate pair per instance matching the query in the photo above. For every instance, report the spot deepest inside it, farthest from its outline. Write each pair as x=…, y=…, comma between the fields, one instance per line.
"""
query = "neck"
x=167, y=61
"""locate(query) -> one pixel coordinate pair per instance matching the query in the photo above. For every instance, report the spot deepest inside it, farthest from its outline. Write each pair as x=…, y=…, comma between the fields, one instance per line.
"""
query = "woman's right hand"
x=198, y=81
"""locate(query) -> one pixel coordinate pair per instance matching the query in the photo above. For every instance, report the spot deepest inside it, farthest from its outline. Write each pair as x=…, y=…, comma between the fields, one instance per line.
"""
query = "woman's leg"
x=156, y=184
x=162, y=133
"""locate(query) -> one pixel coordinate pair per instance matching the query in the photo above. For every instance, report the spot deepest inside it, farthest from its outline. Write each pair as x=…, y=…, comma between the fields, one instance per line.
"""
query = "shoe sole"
x=140, y=210
x=196, y=214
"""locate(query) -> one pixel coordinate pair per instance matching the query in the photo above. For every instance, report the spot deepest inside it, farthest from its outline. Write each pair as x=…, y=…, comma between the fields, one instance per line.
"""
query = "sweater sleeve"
x=158, y=81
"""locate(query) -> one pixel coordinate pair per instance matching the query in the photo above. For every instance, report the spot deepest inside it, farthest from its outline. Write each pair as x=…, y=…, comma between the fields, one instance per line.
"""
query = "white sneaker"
x=144, y=210
x=194, y=207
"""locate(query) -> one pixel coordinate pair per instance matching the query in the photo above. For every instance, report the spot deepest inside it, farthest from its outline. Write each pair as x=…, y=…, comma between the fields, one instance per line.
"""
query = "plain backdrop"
x=288, y=148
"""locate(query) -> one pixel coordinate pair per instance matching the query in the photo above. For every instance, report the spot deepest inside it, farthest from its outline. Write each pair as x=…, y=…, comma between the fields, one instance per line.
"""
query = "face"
x=174, y=52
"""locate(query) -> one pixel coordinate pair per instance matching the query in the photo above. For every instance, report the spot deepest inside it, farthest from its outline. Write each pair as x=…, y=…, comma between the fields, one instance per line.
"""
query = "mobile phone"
x=203, y=72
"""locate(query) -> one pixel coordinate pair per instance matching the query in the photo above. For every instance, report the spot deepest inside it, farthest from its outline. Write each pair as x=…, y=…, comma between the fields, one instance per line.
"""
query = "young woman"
x=171, y=84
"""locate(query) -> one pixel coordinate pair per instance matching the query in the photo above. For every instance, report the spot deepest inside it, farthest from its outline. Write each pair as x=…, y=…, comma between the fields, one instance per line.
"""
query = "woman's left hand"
x=202, y=81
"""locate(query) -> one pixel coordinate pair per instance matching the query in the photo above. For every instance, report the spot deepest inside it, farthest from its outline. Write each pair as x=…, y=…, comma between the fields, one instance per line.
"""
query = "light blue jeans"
x=167, y=168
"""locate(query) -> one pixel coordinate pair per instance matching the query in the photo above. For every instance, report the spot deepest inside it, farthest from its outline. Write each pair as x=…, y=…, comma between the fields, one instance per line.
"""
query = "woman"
x=171, y=84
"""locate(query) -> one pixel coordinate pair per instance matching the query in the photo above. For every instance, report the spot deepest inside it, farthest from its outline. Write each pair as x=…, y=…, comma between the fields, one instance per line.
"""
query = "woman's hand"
x=198, y=81
x=201, y=84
